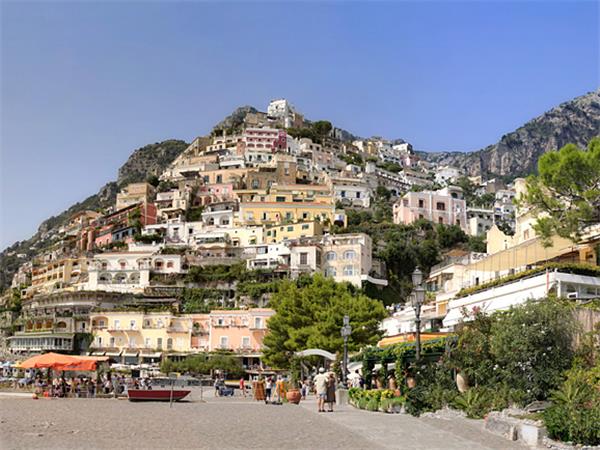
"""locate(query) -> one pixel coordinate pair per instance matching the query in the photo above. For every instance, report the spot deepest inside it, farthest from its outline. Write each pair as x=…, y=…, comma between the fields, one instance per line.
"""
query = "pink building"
x=239, y=330
x=445, y=206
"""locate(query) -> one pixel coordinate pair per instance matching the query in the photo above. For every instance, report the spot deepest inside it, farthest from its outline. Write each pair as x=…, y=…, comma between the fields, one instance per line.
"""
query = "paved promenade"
x=224, y=423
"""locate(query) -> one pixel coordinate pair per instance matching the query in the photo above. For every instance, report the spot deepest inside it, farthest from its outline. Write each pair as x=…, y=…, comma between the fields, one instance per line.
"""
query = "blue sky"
x=84, y=84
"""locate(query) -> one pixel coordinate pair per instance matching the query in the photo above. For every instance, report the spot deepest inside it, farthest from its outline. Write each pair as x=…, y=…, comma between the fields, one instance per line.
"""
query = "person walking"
x=321, y=388
x=243, y=386
x=330, y=394
x=268, y=389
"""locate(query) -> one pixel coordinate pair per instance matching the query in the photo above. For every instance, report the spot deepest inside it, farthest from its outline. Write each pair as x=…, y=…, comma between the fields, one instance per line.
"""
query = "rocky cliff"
x=516, y=154
x=147, y=160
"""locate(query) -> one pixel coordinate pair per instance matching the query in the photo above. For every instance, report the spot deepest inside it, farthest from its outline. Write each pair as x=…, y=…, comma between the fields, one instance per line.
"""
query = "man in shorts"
x=321, y=388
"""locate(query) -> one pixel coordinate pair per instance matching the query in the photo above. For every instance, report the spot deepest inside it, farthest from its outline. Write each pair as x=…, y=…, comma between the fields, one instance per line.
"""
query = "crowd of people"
x=87, y=387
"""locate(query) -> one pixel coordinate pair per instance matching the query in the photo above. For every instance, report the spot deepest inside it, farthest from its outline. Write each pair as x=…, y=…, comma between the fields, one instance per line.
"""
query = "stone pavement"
x=402, y=431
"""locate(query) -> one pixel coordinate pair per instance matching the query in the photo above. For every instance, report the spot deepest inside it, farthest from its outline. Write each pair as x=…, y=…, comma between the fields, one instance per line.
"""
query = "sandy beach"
x=223, y=423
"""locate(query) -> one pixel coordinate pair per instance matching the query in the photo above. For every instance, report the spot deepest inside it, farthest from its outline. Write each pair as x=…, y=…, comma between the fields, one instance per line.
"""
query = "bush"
x=531, y=346
x=373, y=404
x=476, y=402
x=575, y=413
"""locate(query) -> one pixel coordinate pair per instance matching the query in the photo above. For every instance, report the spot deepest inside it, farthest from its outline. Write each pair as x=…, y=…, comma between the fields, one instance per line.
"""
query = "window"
x=290, y=228
x=219, y=178
x=117, y=325
x=123, y=264
x=257, y=322
x=112, y=341
x=441, y=220
x=179, y=343
x=343, y=194
x=254, y=184
x=440, y=206
x=330, y=272
x=303, y=259
x=264, y=216
x=279, y=199
x=170, y=344
x=288, y=215
x=132, y=342
x=331, y=256
x=245, y=342
x=158, y=264
x=159, y=343
x=349, y=254
x=101, y=323
x=99, y=341
x=305, y=226
x=132, y=325
x=169, y=264
x=224, y=342
x=421, y=203
x=221, y=322
x=348, y=271
x=147, y=342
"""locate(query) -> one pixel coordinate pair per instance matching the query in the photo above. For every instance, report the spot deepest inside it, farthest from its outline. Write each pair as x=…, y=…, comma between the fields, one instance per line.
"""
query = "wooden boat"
x=156, y=395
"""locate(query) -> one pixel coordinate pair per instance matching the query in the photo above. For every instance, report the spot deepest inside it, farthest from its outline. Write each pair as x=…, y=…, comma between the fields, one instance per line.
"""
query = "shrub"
x=362, y=403
x=476, y=402
x=531, y=345
x=373, y=404
x=575, y=413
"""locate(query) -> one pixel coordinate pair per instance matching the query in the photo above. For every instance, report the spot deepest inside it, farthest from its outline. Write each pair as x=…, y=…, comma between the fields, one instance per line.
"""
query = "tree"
x=322, y=127
x=309, y=314
x=153, y=180
x=566, y=192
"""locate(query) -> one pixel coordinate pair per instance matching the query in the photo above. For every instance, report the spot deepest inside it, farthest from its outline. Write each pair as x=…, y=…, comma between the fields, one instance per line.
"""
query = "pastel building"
x=135, y=193
x=445, y=206
x=129, y=271
x=348, y=257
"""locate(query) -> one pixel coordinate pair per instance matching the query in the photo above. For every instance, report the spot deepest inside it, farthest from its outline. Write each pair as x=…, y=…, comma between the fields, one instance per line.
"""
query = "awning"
x=97, y=353
x=57, y=361
x=112, y=354
x=131, y=354
x=150, y=355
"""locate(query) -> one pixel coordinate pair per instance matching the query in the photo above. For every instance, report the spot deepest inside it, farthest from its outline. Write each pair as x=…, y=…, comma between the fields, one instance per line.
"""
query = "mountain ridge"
x=515, y=154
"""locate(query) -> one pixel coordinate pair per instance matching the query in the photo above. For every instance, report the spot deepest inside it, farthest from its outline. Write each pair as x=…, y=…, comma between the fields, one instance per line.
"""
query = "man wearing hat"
x=321, y=388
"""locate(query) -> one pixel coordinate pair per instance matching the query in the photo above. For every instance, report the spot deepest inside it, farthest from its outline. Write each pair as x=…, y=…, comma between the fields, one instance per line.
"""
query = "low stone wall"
x=504, y=423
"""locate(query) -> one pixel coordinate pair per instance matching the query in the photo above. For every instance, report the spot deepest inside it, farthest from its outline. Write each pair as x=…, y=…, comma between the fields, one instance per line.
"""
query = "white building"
x=283, y=110
x=518, y=292
x=480, y=220
x=128, y=271
x=445, y=175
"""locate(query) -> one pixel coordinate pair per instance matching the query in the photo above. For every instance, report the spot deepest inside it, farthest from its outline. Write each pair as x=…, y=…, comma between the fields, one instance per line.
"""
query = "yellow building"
x=59, y=274
x=135, y=193
x=135, y=336
x=278, y=233
x=266, y=213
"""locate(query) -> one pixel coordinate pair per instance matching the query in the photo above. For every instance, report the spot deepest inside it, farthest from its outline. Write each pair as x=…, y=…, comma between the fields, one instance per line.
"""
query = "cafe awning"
x=57, y=361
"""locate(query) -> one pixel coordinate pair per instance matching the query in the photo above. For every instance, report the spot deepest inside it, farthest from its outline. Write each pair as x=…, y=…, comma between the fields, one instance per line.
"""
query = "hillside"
x=150, y=159
x=516, y=154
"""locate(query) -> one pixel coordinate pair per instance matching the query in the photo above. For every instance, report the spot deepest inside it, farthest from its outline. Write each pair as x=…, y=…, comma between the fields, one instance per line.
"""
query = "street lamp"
x=417, y=299
x=346, y=332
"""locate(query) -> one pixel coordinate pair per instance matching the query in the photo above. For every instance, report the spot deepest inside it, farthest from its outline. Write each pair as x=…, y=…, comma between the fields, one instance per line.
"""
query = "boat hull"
x=156, y=395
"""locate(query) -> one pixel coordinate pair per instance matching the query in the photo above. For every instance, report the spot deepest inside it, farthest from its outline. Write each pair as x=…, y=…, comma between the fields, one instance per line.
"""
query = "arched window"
x=134, y=278
x=121, y=278
x=123, y=264
x=104, y=278
x=330, y=272
x=331, y=256
x=169, y=264
x=349, y=254
x=158, y=264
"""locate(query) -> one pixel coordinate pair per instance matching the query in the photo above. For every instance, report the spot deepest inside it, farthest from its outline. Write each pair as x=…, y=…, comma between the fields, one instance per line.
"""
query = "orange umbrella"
x=56, y=361
x=47, y=360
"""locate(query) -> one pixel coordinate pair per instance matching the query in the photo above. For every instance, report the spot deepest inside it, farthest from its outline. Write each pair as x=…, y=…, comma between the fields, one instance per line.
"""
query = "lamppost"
x=346, y=332
x=417, y=299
